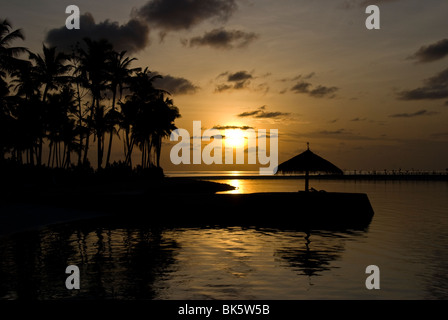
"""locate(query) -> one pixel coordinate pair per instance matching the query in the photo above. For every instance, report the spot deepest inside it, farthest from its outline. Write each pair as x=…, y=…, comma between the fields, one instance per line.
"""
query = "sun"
x=234, y=138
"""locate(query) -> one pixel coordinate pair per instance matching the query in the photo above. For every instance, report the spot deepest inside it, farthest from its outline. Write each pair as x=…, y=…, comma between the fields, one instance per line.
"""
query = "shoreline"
x=377, y=177
x=33, y=206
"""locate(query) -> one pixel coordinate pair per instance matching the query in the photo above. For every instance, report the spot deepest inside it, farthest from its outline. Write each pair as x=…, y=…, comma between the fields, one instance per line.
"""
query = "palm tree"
x=5, y=117
x=154, y=117
x=28, y=111
x=9, y=63
x=79, y=94
x=166, y=113
x=60, y=127
x=51, y=72
x=50, y=68
x=8, y=55
x=94, y=62
x=136, y=113
x=120, y=74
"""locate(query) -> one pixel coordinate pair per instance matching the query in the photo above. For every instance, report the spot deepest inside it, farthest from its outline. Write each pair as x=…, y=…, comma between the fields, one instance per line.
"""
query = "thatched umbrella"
x=308, y=162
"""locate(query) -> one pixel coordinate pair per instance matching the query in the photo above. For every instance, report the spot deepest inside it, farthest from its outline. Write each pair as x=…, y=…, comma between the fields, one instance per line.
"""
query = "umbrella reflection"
x=314, y=255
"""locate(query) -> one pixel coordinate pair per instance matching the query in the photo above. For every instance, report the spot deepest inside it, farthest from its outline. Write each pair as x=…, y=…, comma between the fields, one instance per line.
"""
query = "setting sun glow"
x=234, y=138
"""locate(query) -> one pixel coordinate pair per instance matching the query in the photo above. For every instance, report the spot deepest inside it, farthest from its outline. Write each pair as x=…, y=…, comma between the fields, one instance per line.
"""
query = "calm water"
x=407, y=239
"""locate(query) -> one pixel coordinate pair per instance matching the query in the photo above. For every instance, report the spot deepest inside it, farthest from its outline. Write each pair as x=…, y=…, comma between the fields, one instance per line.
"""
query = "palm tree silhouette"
x=120, y=73
x=61, y=127
x=94, y=61
x=8, y=55
x=59, y=101
x=27, y=111
x=50, y=69
x=148, y=116
x=51, y=72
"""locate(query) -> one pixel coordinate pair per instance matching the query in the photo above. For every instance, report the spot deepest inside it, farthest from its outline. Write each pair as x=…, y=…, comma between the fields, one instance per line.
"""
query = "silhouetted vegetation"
x=69, y=103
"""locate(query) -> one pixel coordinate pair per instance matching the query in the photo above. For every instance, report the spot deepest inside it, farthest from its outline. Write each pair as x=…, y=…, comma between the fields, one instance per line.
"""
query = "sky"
x=363, y=99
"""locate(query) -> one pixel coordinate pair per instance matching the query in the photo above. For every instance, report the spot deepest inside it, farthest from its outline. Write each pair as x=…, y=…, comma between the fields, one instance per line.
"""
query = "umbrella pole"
x=307, y=180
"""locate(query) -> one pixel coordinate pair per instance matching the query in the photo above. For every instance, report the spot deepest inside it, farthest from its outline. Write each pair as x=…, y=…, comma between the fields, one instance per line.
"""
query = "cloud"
x=317, y=92
x=432, y=52
x=174, y=15
x=223, y=39
x=175, y=85
x=304, y=86
x=238, y=80
x=260, y=113
x=323, y=91
x=333, y=132
x=228, y=81
x=435, y=87
x=299, y=77
x=358, y=119
x=132, y=36
x=415, y=114
x=239, y=76
x=220, y=127
x=301, y=87
x=223, y=87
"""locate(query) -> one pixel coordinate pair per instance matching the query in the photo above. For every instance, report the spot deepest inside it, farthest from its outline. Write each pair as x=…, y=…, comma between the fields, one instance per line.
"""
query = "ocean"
x=406, y=240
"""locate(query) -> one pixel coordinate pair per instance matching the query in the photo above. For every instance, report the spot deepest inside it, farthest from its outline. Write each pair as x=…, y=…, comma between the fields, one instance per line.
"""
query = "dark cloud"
x=304, y=86
x=220, y=127
x=223, y=39
x=301, y=87
x=238, y=80
x=223, y=87
x=260, y=113
x=299, y=77
x=358, y=119
x=317, y=92
x=239, y=76
x=333, y=132
x=175, y=85
x=132, y=36
x=435, y=87
x=432, y=52
x=172, y=15
x=415, y=114
x=323, y=91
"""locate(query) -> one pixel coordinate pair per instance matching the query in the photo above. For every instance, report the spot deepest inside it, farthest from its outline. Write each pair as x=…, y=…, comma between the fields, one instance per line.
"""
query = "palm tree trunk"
x=143, y=155
x=129, y=148
x=89, y=124
x=79, y=124
x=68, y=158
x=49, y=153
x=39, y=151
x=31, y=155
x=111, y=131
x=63, y=156
x=99, y=136
x=158, y=150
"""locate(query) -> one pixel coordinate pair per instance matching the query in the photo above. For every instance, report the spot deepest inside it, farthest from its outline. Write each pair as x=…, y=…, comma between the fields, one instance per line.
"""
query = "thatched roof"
x=308, y=161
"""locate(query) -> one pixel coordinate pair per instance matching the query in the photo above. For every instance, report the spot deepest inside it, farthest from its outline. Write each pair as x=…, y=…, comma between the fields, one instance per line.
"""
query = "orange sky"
x=364, y=99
